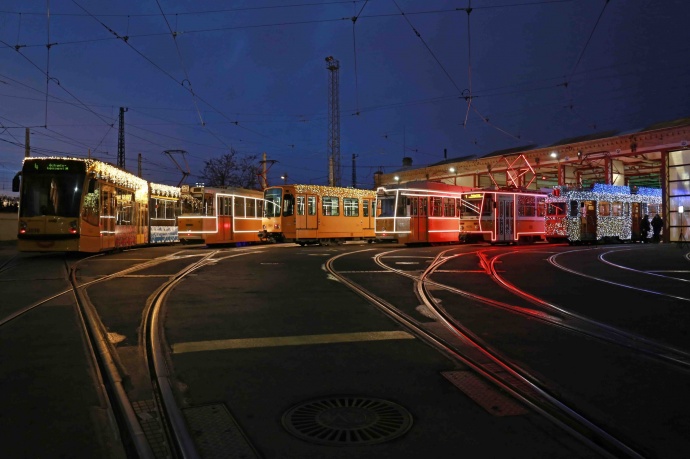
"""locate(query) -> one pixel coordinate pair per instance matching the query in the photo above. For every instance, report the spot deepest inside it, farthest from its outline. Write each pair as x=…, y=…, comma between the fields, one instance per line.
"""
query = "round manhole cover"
x=347, y=421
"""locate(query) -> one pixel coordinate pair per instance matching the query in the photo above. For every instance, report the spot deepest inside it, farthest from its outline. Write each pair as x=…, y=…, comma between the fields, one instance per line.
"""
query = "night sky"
x=415, y=78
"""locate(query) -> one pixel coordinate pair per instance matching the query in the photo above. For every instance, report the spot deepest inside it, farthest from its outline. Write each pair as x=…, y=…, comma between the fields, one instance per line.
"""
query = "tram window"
x=48, y=195
x=300, y=205
x=403, y=209
x=351, y=207
x=414, y=206
x=239, y=207
x=617, y=209
x=251, y=208
x=288, y=205
x=365, y=207
x=272, y=199
x=311, y=205
x=556, y=208
x=604, y=209
x=190, y=205
x=448, y=207
x=91, y=203
x=526, y=206
x=386, y=204
x=423, y=207
x=575, y=208
x=489, y=205
x=541, y=207
x=124, y=207
x=208, y=205
x=470, y=207
x=225, y=205
x=330, y=206
x=436, y=208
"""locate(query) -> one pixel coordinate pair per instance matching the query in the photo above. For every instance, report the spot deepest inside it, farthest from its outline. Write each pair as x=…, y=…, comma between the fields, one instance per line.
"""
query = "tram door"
x=636, y=215
x=588, y=220
x=416, y=209
x=306, y=217
x=505, y=217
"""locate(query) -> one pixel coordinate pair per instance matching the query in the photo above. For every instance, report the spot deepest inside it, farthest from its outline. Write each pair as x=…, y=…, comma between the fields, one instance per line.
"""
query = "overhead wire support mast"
x=121, y=140
x=333, y=122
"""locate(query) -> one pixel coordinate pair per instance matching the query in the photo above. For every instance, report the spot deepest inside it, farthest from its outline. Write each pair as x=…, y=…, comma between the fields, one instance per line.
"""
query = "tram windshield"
x=51, y=193
x=272, y=198
x=556, y=208
x=387, y=205
x=470, y=206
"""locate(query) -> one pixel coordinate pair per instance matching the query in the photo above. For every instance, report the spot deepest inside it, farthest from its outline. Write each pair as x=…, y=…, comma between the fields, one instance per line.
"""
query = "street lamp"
x=284, y=177
x=397, y=179
x=455, y=178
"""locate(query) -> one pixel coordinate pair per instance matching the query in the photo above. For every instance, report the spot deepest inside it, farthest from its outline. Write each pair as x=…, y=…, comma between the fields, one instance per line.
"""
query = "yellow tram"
x=85, y=205
x=315, y=214
x=220, y=215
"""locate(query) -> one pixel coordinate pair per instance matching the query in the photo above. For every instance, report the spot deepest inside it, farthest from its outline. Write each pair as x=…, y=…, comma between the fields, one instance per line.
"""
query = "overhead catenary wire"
x=354, y=49
x=242, y=120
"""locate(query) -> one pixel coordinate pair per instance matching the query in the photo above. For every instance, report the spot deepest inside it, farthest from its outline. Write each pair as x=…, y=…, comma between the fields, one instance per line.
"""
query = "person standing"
x=644, y=228
x=657, y=225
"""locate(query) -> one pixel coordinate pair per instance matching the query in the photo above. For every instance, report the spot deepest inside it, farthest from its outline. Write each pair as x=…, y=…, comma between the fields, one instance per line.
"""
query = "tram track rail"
x=121, y=412
x=596, y=329
x=179, y=442
x=490, y=364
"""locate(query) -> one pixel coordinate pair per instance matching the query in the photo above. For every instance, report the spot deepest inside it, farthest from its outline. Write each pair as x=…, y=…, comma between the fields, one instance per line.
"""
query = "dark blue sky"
x=252, y=75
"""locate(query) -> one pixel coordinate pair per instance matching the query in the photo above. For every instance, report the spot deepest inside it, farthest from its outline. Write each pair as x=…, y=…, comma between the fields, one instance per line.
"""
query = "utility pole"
x=139, y=166
x=333, y=122
x=121, y=140
x=263, y=175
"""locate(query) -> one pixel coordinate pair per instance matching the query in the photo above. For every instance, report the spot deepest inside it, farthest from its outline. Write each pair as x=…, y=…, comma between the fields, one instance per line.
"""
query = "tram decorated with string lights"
x=604, y=213
x=220, y=215
x=315, y=214
x=85, y=205
x=427, y=212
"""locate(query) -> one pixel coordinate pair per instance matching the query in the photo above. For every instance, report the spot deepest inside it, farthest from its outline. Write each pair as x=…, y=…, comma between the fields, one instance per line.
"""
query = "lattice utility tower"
x=121, y=140
x=333, y=122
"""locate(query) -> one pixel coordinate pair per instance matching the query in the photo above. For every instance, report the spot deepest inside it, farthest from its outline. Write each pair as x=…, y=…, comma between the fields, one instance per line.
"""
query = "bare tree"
x=231, y=169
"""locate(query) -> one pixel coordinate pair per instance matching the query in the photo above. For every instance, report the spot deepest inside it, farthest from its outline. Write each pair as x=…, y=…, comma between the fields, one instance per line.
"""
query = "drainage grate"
x=347, y=421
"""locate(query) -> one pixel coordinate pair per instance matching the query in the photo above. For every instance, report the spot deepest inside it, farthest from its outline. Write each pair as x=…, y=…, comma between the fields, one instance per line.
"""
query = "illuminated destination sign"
x=54, y=166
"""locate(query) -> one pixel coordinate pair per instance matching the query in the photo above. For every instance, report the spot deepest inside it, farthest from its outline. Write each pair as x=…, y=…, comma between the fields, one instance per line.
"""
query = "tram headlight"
x=276, y=226
x=22, y=227
x=73, y=227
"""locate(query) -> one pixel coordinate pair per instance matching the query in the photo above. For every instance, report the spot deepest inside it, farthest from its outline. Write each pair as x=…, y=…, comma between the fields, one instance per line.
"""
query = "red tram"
x=433, y=212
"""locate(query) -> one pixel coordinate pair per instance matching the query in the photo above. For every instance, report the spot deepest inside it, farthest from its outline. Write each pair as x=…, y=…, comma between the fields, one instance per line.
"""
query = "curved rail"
x=512, y=379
